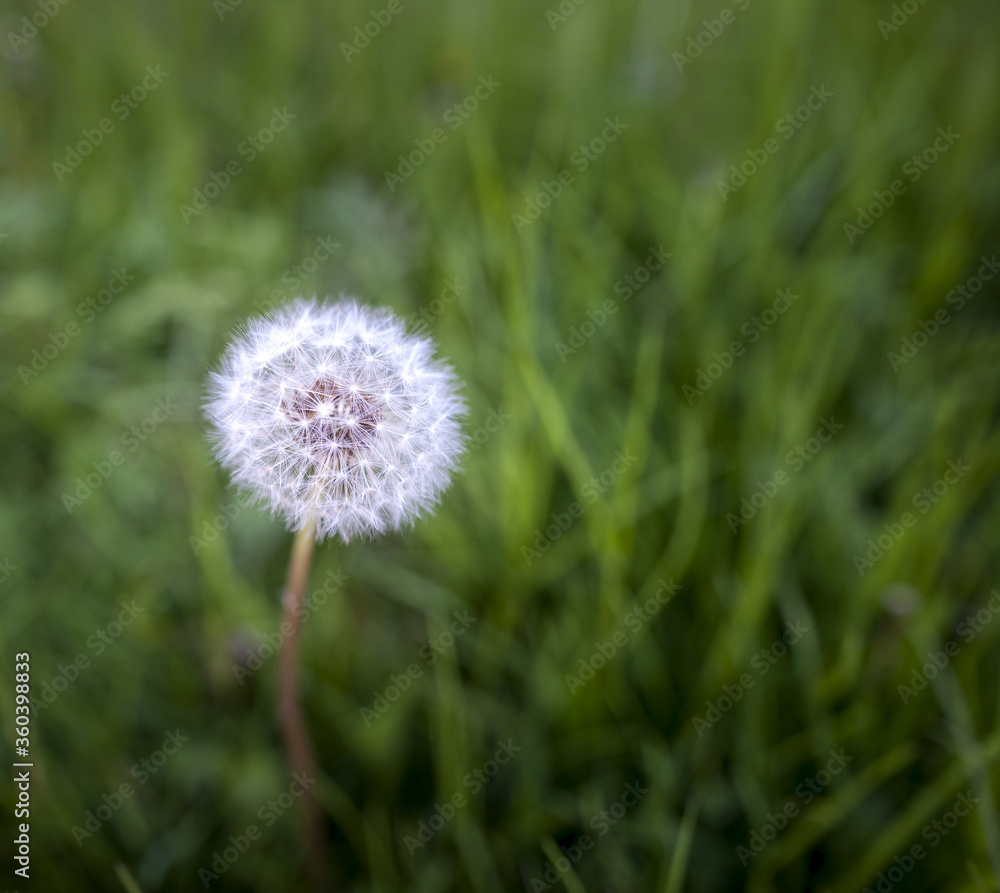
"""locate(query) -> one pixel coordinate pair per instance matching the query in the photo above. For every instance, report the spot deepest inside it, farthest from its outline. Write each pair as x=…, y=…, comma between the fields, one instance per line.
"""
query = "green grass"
x=664, y=517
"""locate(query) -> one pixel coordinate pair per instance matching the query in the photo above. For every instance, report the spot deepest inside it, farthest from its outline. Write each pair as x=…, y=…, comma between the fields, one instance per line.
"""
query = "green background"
x=203, y=609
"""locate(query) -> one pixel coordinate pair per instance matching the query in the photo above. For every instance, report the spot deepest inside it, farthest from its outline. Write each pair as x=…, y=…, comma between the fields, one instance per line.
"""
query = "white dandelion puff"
x=333, y=415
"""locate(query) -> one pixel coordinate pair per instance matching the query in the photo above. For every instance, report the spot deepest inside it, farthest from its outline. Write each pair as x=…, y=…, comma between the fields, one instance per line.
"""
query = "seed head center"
x=330, y=416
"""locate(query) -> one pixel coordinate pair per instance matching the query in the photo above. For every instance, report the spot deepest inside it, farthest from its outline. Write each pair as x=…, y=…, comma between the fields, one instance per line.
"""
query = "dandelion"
x=345, y=425
x=333, y=415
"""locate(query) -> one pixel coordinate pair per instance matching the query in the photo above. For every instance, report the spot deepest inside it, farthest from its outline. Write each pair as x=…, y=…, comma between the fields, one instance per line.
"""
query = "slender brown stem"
x=293, y=728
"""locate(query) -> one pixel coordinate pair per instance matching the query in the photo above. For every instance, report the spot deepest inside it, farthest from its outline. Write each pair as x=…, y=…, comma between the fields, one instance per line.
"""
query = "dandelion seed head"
x=333, y=412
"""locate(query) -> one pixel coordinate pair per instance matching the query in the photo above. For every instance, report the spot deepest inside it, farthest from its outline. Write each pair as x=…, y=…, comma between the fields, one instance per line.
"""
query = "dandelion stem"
x=293, y=729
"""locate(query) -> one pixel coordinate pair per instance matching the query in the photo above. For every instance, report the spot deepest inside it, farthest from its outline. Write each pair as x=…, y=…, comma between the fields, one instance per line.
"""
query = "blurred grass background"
x=205, y=608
